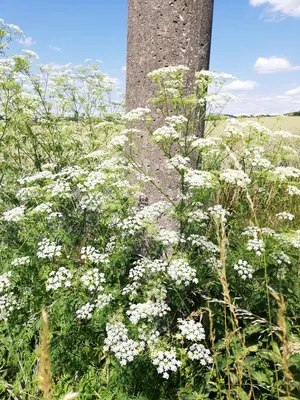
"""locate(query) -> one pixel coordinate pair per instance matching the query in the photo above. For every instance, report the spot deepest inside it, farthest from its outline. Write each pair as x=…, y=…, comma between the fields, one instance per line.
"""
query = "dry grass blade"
x=44, y=370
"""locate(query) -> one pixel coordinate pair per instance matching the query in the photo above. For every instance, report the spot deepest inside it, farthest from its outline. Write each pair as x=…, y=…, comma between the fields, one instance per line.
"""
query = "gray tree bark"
x=163, y=33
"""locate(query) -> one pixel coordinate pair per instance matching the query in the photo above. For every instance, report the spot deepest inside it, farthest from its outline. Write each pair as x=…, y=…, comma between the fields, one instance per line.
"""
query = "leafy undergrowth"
x=195, y=296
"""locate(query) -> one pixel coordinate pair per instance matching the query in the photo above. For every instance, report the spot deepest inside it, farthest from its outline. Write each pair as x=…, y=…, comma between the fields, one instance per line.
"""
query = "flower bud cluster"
x=244, y=269
x=59, y=279
x=92, y=280
x=117, y=342
x=166, y=362
x=47, y=249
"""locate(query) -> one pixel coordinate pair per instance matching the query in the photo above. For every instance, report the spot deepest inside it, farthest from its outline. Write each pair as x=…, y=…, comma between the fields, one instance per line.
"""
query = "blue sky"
x=255, y=40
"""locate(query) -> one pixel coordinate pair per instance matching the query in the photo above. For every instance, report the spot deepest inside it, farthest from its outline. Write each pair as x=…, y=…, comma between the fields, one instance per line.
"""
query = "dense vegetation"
x=193, y=297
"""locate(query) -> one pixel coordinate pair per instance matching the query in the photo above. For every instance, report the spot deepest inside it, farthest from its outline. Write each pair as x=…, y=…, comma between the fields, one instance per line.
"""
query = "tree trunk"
x=163, y=33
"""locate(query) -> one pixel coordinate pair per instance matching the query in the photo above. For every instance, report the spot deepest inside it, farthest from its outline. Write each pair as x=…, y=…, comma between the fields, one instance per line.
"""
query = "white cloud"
x=54, y=48
x=293, y=92
x=241, y=85
x=289, y=8
x=273, y=64
x=27, y=41
x=124, y=68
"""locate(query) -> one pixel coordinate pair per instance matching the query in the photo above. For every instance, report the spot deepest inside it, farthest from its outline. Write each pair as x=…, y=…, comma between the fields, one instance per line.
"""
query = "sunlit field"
x=289, y=124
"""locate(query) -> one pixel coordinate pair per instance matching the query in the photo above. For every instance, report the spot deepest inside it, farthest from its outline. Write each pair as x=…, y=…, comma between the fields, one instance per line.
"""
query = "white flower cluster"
x=93, y=279
x=143, y=269
x=111, y=244
x=7, y=305
x=166, y=71
x=168, y=237
x=47, y=249
x=280, y=257
x=85, y=312
x=59, y=279
x=92, y=201
x=148, y=311
x=14, y=215
x=146, y=215
x=178, y=162
x=103, y=300
x=244, y=269
x=39, y=176
x=199, y=179
x=181, y=272
x=5, y=282
x=197, y=216
x=148, y=337
x=20, y=261
x=286, y=172
x=191, y=330
x=214, y=76
x=219, y=213
x=205, y=143
x=198, y=352
x=293, y=190
x=59, y=188
x=235, y=177
x=257, y=245
x=89, y=253
x=165, y=133
x=166, y=362
x=285, y=216
x=117, y=342
x=117, y=141
x=175, y=120
x=7, y=298
x=43, y=208
x=203, y=243
x=137, y=113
